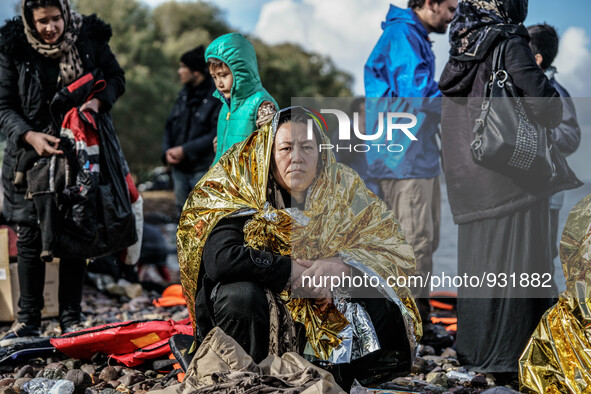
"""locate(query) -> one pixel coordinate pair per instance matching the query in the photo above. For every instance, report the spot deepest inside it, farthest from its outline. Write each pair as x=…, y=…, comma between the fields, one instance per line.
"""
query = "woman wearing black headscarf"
x=44, y=50
x=503, y=228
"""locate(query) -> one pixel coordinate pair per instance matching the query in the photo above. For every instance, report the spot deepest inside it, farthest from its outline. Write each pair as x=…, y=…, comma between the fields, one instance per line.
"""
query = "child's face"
x=223, y=79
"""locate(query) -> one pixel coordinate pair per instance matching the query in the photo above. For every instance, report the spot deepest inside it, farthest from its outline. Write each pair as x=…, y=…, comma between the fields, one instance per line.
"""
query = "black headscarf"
x=478, y=23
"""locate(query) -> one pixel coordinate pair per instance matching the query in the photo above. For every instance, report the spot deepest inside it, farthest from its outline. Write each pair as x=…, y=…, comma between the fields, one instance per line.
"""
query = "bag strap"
x=499, y=57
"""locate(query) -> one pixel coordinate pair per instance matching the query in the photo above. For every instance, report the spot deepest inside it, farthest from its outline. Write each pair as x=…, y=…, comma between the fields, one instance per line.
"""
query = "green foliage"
x=148, y=43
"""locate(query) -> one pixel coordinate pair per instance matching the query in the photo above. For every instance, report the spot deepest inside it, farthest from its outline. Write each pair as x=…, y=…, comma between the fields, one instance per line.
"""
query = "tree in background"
x=148, y=44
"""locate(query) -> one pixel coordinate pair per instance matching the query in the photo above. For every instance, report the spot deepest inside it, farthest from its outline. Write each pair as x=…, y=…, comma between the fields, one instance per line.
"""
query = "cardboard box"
x=10, y=289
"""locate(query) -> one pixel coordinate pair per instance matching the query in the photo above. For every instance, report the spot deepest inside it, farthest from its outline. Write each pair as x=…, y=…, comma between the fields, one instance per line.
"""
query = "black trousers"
x=242, y=311
x=31, y=273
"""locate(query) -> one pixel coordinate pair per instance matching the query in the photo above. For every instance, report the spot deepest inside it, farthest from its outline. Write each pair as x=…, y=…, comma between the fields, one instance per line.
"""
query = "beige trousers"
x=416, y=203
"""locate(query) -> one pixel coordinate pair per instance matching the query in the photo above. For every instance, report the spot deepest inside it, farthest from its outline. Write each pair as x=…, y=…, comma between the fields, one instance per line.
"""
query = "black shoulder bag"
x=505, y=140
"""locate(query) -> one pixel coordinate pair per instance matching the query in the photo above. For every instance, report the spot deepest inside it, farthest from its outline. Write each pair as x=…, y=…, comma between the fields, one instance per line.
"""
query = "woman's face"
x=49, y=23
x=295, y=159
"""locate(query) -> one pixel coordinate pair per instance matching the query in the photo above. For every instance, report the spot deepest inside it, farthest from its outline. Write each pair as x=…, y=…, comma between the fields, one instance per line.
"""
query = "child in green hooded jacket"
x=246, y=105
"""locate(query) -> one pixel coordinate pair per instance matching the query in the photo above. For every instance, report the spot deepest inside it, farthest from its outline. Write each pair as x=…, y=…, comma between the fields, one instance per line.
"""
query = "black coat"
x=25, y=97
x=474, y=192
x=193, y=124
x=226, y=260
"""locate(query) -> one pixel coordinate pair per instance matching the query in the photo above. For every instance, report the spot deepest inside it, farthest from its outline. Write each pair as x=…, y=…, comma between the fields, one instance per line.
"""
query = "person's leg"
x=178, y=183
x=184, y=182
x=31, y=275
x=193, y=179
x=416, y=206
x=241, y=310
x=71, y=284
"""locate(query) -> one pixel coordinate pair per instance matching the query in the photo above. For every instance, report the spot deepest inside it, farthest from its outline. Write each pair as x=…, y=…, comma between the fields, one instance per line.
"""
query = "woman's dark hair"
x=299, y=115
x=34, y=4
x=414, y=4
x=544, y=40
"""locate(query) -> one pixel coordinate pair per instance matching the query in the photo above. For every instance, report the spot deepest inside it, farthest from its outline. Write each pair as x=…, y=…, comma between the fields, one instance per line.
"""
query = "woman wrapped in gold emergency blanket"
x=557, y=358
x=275, y=209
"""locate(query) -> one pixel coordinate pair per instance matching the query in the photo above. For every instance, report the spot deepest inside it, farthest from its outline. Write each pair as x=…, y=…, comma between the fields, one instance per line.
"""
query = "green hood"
x=239, y=54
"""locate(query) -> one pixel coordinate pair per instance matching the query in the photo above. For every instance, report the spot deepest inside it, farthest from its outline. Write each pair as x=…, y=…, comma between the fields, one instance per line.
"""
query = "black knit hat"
x=195, y=59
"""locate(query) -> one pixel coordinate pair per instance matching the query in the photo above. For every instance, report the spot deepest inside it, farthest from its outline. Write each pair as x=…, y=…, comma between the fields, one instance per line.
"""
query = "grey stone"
x=437, y=378
x=479, y=381
x=128, y=371
x=6, y=382
x=25, y=371
x=420, y=365
x=108, y=373
x=72, y=364
x=499, y=390
x=53, y=373
x=89, y=369
x=449, y=353
x=459, y=377
x=81, y=379
x=131, y=379
x=19, y=383
x=113, y=383
x=426, y=350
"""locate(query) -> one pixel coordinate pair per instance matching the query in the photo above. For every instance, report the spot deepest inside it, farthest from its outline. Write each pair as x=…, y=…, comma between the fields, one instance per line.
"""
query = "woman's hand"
x=44, y=144
x=93, y=105
x=320, y=273
x=297, y=269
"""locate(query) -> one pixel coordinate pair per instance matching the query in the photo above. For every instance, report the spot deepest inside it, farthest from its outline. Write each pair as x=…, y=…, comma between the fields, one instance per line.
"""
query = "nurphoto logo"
x=391, y=125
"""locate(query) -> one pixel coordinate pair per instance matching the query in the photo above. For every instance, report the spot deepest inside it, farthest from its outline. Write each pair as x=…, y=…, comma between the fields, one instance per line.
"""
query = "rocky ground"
x=433, y=372
x=436, y=370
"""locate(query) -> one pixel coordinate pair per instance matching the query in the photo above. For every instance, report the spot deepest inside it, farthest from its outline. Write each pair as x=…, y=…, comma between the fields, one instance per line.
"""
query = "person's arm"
x=541, y=100
x=227, y=260
x=567, y=135
x=14, y=126
x=12, y=123
x=167, y=136
x=113, y=74
x=202, y=145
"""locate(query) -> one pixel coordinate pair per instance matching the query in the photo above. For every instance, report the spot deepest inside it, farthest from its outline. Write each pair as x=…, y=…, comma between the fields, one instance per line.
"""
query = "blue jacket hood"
x=404, y=15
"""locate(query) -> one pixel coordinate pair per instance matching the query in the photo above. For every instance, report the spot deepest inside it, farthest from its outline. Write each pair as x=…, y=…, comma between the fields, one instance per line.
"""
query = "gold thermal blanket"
x=557, y=358
x=341, y=217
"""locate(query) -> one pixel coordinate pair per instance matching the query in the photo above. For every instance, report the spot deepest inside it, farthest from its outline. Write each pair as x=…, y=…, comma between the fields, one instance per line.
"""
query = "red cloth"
x=130, y=343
